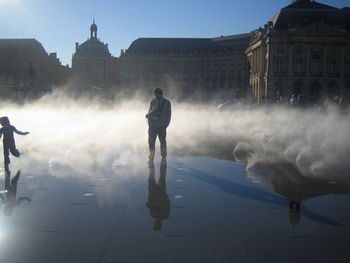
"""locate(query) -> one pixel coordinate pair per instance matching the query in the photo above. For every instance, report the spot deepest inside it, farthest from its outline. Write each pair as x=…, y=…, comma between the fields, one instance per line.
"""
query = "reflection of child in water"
x=9, y=141
x=9, y=199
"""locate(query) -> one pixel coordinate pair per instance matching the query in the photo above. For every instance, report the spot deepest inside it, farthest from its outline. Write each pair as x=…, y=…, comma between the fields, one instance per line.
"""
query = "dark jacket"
x=159, y=113
x=8, y=131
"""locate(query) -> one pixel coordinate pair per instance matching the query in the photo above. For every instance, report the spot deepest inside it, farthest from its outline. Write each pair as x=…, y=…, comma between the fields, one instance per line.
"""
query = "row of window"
x=239, y=48
x=313, y=92
x=193, y=79
x=209, y=75
x=301, y=48
x=181, y=65
x=316, y=65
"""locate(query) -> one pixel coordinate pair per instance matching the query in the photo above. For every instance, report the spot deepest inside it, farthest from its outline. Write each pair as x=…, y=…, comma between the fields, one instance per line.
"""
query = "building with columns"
x=94, y=69
x=304, y=49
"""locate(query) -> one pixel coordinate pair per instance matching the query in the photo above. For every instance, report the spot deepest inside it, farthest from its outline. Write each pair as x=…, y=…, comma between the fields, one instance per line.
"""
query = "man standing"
x=158, y=116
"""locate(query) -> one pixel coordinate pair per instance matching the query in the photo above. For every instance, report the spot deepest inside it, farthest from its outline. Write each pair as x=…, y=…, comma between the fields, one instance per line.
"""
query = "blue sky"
x=58, y=24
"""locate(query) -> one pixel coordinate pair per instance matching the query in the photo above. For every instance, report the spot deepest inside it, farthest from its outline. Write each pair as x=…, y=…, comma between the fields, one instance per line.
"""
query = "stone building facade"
x=204, y=69
x=303, y=50
x=94, y=69
x=25, y=67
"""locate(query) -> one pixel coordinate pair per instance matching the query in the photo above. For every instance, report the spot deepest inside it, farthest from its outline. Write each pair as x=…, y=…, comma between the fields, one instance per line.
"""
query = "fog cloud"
x=80, y=135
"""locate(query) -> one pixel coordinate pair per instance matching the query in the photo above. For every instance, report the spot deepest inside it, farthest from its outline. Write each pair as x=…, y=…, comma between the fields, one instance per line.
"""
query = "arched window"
x=332, y=50
x=213, y=75
x=332, y=60
x=315, y=92
x=299, y=49
x=332, y=65
x=280, y=48
x=333, y=90
x=279, y=91
x=315, y=65
x=299, y=65
x=222, y=75
x=347, y=92
x=347, y=61
x=230, y=75
x=280, y=64
x=207, y=75
x=347, y=66
x=297, y=89
x=315, y=48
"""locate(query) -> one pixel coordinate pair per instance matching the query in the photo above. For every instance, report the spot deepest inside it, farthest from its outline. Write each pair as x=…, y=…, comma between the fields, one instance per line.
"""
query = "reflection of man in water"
x=158, y=116
x=158, y=200
x=286, y=179
x=9, y=197
x=294, y=212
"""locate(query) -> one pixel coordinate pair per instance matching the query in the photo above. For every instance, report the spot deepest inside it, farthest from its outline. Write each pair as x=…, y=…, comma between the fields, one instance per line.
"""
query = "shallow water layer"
x=214, y=213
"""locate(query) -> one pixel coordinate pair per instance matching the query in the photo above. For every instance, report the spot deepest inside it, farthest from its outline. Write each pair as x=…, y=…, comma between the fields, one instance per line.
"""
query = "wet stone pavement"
x=190, y=209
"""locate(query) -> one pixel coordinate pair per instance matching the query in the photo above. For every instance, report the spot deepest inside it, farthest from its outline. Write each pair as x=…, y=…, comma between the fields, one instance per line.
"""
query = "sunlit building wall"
x=303, y=50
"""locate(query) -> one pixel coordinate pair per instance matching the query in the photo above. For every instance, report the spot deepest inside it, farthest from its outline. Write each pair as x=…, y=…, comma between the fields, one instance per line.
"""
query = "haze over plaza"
x=59, y=24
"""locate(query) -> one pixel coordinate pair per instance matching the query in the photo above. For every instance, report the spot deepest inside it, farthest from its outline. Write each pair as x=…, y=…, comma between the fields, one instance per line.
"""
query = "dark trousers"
x=153, y=132
x=10, y=147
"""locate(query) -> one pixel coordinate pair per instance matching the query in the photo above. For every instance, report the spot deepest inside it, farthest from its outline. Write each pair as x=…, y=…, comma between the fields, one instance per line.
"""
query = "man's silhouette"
x=159, y=115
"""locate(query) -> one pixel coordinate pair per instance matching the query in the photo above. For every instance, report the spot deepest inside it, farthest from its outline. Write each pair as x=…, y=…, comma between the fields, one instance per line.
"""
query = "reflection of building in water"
x=158, y=200
x=204, y=68
x=94, y=69
x=27, y=70
x=304, y=49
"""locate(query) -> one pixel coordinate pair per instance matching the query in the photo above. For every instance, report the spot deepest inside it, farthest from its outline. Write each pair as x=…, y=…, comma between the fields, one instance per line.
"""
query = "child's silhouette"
x=8, y=140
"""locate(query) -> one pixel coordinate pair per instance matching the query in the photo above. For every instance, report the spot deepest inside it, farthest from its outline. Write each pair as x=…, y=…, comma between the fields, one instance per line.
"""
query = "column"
x=324, y=62
x=290, y=60
x=342, y=61
x=308, y=58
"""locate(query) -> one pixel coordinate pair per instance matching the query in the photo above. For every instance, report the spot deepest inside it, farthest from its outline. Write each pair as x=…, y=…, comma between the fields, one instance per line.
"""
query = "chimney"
x=76, y=46
x=53, y=55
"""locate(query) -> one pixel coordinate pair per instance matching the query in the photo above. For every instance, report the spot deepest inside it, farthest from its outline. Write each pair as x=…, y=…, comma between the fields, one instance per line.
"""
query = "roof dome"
x=92, y=48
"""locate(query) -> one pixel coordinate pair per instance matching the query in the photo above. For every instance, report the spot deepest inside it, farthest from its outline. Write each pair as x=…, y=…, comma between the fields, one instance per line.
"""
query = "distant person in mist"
x=158, y=200
x=9, y=144
x=159, y=115
x=294, y=101
x=9, y=198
